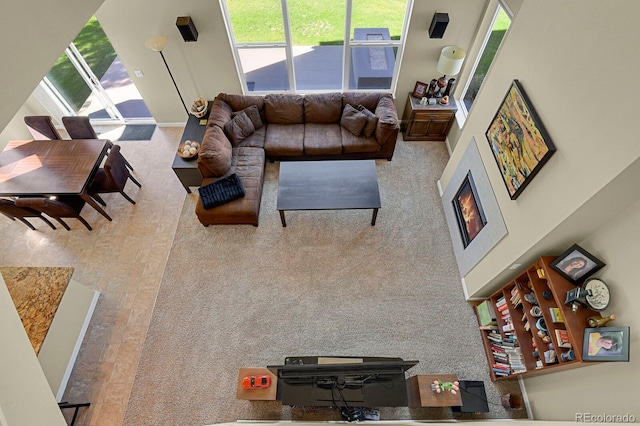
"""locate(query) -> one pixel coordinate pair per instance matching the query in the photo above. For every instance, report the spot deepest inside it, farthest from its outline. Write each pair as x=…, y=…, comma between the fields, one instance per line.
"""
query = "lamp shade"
x=450, y=61
x=156, y=43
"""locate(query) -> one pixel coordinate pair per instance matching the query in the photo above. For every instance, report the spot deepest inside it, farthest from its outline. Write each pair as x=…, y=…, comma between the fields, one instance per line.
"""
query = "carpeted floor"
x=328, y=284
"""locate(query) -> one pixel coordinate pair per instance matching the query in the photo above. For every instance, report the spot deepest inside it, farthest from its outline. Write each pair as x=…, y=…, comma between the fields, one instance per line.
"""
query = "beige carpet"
x=328, y=284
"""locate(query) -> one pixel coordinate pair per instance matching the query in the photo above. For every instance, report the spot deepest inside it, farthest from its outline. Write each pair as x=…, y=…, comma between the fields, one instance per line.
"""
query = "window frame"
x=500, y=4
x=288, y=48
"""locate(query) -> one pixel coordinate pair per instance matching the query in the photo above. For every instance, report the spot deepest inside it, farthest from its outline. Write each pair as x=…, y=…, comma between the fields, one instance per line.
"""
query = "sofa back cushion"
x=240, y=102
x=323, y=108
x=284, y=109
x=214, y=158
x=368, y=100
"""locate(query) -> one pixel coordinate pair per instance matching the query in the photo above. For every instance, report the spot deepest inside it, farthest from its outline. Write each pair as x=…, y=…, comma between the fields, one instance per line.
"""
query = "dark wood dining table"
x=51, y=167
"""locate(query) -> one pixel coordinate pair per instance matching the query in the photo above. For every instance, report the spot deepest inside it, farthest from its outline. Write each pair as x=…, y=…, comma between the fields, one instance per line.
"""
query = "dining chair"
x=112, y=177
x=79, y=127
x=62, y=207
x=41, y=127
x=13, y=212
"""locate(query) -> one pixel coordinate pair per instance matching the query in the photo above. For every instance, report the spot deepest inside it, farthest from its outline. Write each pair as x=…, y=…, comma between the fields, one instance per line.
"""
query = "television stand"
x=342, y=381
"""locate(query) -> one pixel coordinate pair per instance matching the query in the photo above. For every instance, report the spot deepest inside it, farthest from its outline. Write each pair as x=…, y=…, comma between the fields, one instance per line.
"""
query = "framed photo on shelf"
x=606, y=344
x=420, y=90
x=519, y=142
x=576, y=264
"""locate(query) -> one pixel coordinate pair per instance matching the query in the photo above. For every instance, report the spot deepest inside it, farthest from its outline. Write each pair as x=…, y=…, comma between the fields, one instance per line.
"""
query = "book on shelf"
x=556, y=315
x=562, y=336
x=486, y=314
x=489, y=327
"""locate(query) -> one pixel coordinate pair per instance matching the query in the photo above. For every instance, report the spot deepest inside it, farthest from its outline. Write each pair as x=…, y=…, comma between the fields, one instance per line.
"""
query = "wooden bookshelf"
x=516, y=325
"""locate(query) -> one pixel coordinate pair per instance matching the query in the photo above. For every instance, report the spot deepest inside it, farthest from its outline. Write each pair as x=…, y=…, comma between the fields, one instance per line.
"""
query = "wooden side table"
x=267, y=394
x=427, y=122
x=420, y=394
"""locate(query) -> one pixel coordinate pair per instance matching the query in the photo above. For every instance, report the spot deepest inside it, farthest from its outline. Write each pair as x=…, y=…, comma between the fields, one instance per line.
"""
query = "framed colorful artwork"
x=518, y=140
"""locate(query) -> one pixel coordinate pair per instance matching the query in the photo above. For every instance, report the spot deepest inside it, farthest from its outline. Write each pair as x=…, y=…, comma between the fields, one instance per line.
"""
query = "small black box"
x=438, y=25
x=187, y=28
x=474, y=397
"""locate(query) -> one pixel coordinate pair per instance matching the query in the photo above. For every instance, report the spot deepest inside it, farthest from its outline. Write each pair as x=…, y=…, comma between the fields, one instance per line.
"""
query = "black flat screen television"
x=369, y=382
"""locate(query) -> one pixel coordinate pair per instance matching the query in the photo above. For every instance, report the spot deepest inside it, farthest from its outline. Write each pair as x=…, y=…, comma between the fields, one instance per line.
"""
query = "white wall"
x=603, y=387
x=34, y=33
x=202, y=68
x=552, y=49
x=422, y=53
x=587, y=193
x=25, y=395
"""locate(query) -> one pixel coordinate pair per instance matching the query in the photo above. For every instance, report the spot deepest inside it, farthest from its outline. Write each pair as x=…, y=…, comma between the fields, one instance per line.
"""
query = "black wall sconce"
x=187, y=28
x=438, y=25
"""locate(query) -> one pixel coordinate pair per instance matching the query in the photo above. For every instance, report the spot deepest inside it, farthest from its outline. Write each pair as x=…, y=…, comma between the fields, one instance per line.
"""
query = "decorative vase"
x=438, y=386
x=599, y=322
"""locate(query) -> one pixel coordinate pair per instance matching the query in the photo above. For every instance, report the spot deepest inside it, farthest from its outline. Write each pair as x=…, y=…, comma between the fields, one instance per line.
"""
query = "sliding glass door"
x=89, y=79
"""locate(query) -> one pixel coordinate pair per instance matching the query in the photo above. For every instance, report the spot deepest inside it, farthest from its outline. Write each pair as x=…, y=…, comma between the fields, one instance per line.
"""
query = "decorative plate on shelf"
x=189, y=149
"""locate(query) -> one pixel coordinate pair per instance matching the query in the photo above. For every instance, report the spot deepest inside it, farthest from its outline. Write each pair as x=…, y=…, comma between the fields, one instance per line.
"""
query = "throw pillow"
x=372, y=121
x=239, y=128
x=221, y=191
x=353, y=120
x=254, y=115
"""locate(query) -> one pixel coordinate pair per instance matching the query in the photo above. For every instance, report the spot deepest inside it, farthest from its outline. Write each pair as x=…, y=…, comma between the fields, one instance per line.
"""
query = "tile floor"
x=124, y=260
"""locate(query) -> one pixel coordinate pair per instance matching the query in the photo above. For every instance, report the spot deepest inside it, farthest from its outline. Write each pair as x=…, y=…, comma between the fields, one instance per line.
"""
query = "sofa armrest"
x=388, y=125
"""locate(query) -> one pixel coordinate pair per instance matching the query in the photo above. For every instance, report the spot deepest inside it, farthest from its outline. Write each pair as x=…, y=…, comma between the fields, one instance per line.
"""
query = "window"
x=301, y=46
x=498, y=28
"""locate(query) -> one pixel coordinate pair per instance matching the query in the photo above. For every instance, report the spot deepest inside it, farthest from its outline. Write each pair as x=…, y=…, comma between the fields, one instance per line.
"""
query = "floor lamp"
x=157, y=43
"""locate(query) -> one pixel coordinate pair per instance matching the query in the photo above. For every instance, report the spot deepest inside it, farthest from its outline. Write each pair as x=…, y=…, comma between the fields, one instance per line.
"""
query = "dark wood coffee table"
x=328, y=185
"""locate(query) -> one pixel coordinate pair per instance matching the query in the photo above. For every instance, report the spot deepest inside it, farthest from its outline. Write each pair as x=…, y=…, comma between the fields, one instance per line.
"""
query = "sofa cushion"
x=248, y=164
x=284, y=139
x=239, y=128
x=372, y=121
x=368, y=99
x=284, y=109
x=214, y=158
x=353, y=120
x=322, y=139
x=323, y=108
x=254, y=115
x=221, y=191
x=220, y=113
x=355, y=144
x=387, y=119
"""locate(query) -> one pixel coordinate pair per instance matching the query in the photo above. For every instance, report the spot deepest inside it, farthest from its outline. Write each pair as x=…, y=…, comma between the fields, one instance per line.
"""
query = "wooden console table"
x=420, y=394
x=187, y=170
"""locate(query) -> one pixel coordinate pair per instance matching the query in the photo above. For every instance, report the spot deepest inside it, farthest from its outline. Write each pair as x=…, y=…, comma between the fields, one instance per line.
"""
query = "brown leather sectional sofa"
x=245, y=130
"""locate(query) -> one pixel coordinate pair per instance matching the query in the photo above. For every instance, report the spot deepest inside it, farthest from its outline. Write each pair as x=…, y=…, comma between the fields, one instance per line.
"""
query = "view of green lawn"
x=497, y=34
x=312, y=23
x=97, y=51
